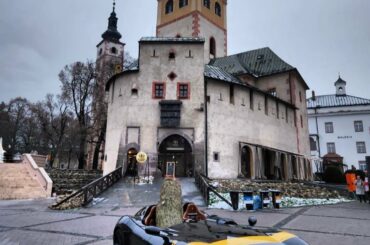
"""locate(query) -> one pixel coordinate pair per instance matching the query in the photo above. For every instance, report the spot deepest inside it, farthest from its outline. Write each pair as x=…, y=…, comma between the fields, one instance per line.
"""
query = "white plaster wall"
x=182, y=27
x=143, y=111
x=343, y=122
x=280, y=82
x=230, y=124
x=208, y=30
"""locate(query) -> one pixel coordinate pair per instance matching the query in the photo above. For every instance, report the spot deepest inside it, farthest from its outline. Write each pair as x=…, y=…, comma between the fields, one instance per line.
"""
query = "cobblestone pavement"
x=31, y=222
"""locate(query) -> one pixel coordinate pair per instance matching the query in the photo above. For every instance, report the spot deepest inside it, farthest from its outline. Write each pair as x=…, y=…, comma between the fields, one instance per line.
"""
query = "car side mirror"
x=252, y=221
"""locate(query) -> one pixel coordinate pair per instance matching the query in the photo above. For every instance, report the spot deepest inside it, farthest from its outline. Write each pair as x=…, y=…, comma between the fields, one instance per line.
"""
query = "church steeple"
x=112, y=33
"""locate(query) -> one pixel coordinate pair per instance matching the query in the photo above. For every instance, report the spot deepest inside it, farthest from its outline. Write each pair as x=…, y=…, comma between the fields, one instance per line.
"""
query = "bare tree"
x=78, y=81
x=5, y=132
x=53, y=117
x=18, y=109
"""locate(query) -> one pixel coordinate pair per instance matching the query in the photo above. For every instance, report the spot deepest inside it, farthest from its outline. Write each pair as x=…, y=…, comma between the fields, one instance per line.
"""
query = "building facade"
x=186, y=102
x=339, y=126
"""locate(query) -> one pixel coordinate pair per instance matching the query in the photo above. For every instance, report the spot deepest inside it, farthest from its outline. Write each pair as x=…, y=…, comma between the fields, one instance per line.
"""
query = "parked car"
x=197, y=229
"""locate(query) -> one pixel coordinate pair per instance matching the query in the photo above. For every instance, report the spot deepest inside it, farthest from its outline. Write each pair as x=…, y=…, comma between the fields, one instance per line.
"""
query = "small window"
x=183, y=3
x=313, y=145
x=169, y=6
x=359, y=127
x=266, y=105
x=183, y=90
x=207, y=3
x=300, y=96
x=243, y=102
x=134, y=92
x=362, y=165
x=361, y=147
x=100, y=51
x=231, y=94
x=277, y=110
x=251, y=105
x=272, y=92
x=212, y=48
x=216, y=156
x=301, y=121
x=190, y=55
x=159, y=90
x=329, y=129
x=172, y=55
x=172, y=76
x=331, y=147
x=154, y=53
x=113, y=50
x=286, y=114
x=218, y=9
x=220, y=98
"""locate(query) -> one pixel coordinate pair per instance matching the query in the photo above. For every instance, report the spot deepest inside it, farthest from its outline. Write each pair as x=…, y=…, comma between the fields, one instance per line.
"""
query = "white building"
x=339, y=124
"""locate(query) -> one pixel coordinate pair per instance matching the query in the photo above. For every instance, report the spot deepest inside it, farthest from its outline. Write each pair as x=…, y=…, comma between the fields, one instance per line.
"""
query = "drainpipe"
x=206, y=126
x=318, y=135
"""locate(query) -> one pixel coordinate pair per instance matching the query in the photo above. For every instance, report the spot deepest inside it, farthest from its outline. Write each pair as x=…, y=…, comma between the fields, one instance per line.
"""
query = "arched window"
x=218, y=9
x=113, y=50
x=207, y=3
x=169, y=6
x=212, y=48
x=183, y=3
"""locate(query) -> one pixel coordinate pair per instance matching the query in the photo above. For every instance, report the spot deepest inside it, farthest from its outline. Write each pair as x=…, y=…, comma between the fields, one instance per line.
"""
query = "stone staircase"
x=16, y=182
x=65, y=181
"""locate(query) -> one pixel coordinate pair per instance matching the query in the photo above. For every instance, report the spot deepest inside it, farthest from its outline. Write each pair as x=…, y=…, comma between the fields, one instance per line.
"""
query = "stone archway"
x=246, y=162
x=176, y=148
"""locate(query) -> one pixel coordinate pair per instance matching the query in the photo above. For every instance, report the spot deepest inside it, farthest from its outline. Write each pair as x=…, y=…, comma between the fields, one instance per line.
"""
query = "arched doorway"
x=295, y=167
x=283, y=166
x=131, y=163
x=176, y=149
x=246, y=162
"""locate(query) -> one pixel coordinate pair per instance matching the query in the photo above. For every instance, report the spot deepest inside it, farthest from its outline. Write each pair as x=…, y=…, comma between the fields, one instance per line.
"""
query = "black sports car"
x=197, y=229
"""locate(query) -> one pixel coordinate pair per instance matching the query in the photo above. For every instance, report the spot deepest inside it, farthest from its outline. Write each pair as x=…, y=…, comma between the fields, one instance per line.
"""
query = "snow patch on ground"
x=286, y=202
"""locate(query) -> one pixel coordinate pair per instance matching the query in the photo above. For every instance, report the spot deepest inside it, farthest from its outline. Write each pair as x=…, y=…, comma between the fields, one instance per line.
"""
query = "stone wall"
x=66, y=181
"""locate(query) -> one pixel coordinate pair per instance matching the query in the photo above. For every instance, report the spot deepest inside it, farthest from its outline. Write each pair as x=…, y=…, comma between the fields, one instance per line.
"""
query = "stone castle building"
x=187, y=102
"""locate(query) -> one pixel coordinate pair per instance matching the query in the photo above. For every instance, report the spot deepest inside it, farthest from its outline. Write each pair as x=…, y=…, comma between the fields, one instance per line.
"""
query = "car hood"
x=212, y=233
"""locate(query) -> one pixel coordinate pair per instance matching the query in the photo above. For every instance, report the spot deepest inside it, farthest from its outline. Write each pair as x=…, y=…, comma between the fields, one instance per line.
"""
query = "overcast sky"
x=319, y=37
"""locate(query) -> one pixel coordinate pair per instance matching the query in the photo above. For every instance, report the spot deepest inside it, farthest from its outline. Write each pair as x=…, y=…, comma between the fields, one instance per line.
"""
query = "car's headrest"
x=150, y=216
x=191, y=212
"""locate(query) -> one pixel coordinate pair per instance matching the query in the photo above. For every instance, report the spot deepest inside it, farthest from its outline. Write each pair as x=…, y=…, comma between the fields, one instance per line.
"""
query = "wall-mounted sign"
x=141, y=157
x=170, y=169
x=344, y=137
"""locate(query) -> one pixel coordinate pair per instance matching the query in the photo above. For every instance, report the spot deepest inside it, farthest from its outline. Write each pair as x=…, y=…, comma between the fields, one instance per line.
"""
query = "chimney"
x=313, y=95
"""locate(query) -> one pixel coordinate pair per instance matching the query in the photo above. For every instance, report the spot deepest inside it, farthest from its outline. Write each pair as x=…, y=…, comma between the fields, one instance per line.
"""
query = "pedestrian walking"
x=360, y=189
x=366, y=186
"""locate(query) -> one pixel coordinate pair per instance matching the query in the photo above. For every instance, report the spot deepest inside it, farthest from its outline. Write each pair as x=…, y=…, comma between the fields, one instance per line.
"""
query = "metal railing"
x=85, y=195
x=204, y=187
